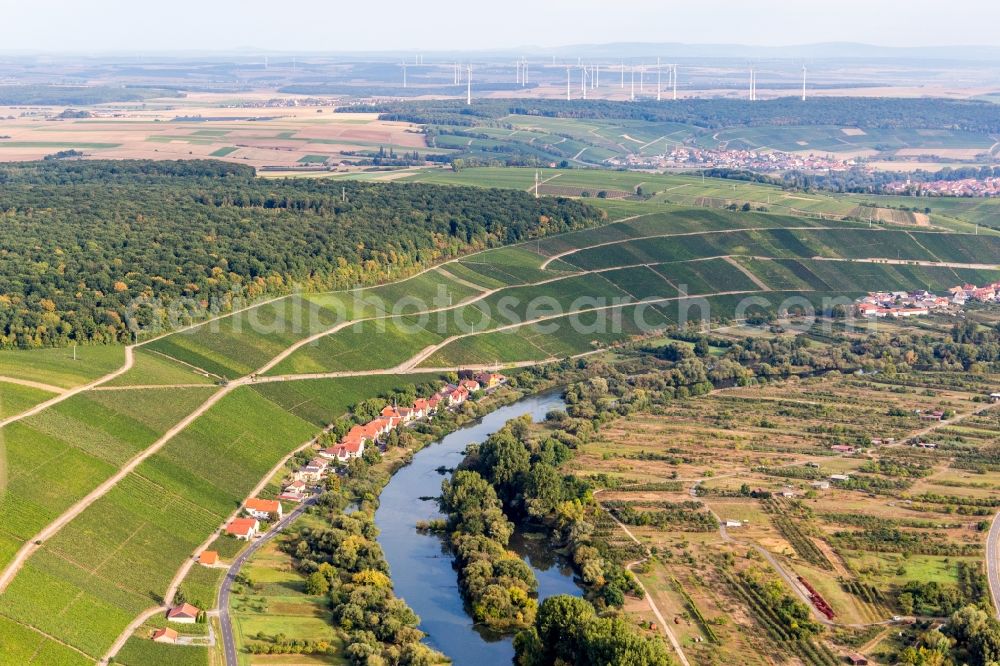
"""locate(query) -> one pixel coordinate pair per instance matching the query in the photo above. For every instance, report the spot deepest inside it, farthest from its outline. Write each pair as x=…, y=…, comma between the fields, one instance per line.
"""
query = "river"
x=421, y=565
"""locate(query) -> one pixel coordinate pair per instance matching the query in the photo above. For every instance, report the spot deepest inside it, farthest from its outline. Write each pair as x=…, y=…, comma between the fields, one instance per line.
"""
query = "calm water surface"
x=421, y=566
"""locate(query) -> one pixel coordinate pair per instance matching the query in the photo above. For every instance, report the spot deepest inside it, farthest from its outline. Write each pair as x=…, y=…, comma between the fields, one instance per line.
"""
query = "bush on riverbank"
x=498, y=585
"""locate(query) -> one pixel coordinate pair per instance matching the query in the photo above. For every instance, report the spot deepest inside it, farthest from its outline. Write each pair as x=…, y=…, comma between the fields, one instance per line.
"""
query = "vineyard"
x=782, y=515
x=787, y=635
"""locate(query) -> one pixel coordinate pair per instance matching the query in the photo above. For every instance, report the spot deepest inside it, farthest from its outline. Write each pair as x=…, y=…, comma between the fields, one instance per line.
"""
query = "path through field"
x=408, y=366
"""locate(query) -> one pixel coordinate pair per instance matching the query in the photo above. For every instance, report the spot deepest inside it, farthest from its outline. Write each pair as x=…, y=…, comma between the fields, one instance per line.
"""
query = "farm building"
x=842, y=448
x=490, y=380
x=994, y=397
x=840, y=477
x=165, y=635
x=820, y=485
x=208, y=558
x=263, y=509
x=313, y=470
x=857, y=659
x=294, y=491
x=734, y=523
x=346, y=450
x=243, y=528
x=183, y=614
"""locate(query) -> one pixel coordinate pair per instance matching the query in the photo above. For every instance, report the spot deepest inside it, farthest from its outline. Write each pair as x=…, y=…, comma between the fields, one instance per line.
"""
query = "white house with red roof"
x=243, y=528
x=262, y=509
x=183, y=614
x=164, y=635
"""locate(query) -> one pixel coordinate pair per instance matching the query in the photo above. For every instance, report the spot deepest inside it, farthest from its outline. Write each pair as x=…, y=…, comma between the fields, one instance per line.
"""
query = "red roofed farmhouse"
x=165, y=635
x=263, y=509
x=243, y=528
x=183, y=614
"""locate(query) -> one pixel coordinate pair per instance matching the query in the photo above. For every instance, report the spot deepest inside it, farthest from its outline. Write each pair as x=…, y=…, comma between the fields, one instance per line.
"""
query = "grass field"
x=278, y=604
x=56, y=366
x=16, y=398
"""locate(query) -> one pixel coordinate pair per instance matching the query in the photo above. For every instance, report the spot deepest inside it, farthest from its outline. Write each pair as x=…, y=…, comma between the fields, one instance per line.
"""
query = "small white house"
x=183, y=614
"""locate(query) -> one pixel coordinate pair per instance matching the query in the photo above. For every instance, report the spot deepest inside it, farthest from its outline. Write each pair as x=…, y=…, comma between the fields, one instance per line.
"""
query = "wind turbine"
x=673, y=76
x=633, y=84
x=404, y=73
x=623, y=73
x=468, y=92
x=567, y=85
x=803, y=83
x=583, y=81
x=659, y=88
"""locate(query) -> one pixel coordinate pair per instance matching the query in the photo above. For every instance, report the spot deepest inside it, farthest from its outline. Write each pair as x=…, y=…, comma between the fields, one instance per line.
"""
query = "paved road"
x=992, y=564
x=225, y=621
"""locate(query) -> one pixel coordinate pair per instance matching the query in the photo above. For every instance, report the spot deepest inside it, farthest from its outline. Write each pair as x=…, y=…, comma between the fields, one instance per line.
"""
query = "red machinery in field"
x=817, y=599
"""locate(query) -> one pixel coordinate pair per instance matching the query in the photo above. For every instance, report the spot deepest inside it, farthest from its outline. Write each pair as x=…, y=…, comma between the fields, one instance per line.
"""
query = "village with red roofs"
x=901, y=304
x=257, y=513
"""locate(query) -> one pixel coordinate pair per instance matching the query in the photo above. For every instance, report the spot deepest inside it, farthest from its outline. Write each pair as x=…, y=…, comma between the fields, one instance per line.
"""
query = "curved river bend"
x=421, y=565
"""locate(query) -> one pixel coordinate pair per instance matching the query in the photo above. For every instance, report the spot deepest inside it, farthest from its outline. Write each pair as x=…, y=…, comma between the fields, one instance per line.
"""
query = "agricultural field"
x=206, y=125
x=276, y=603
x=760, y=458
x=152, y=368
x=820, y=139
x=953, y=214
x=91, y=434
x=139, y=533
x=241, y=343
x=56, y=365
x=16, y=398
x=322, y=401
x=661, y=257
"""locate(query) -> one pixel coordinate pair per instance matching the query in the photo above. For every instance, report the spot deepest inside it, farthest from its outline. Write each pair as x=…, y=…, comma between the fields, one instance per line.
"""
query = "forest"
x=33, y=95
x=711, y=113
x=91, y=250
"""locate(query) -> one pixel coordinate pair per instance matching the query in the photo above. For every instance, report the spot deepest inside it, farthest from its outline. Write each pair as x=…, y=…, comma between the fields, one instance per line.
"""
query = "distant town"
x=763, y=161
x=967, y=187
x=901, y=304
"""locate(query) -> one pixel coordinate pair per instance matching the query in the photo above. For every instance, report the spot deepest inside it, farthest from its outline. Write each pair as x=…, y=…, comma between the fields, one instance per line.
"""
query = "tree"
x=317, y=584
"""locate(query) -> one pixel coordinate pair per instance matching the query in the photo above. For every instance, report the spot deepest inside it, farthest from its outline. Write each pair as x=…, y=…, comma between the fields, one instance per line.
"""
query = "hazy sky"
x=339, y=25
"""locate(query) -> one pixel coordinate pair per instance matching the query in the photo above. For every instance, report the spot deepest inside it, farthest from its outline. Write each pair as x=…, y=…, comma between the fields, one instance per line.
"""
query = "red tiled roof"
x=208, y=557
x=241, y=526
x=166, y=632
x=270, y=506
x=184, y=610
